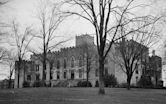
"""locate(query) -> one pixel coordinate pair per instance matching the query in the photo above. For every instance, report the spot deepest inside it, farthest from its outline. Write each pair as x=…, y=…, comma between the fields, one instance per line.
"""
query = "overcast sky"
x=24, y=11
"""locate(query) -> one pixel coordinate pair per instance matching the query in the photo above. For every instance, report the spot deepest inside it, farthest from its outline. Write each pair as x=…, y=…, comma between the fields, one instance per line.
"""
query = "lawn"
x=82, y=96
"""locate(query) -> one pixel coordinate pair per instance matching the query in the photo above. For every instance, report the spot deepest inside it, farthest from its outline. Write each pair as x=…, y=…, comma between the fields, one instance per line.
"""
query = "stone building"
x=69, y=65
x=27, y=73
x=164, y=65
x=155, y=68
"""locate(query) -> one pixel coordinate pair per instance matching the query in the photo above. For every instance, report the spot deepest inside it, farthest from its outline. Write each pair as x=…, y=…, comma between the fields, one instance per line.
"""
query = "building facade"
x=68, y=66
x=155, y=69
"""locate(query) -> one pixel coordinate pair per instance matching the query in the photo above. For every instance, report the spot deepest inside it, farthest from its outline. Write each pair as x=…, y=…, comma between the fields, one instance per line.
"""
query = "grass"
x=82, y=96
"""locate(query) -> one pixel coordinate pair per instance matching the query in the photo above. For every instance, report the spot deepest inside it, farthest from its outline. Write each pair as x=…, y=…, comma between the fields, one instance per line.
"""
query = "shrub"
x=84, y=84
x=122, y=85
x=97, y=84
x=39, y=84
x=26, y=84
x=160, y=84
x=145, y=82
x=110, y=81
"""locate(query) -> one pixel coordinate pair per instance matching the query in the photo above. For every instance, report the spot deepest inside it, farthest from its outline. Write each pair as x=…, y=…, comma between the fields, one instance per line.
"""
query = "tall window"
x=80, y=61
x=28, y=77
x=136, y=78
x=72, y=62
x=97, y=72
x=37, y=67
x=64, y=63
x=136, y=71
x=58, y=75
x=58, y=64
x=51, y=75
x=44, y=76
x=64, y=74
x=37, y=77
x=80, y=73
x=106, y=71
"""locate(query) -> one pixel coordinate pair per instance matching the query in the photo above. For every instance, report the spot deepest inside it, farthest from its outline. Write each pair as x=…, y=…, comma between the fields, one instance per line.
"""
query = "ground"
x=82, y=96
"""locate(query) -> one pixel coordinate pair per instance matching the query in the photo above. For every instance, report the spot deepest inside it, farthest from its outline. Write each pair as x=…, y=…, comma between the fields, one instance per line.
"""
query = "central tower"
x=84, y=39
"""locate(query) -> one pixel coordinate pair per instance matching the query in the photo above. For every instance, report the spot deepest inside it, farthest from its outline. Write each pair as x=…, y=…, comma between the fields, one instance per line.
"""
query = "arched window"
x=97, y=72
x=80, y=61
x=80, y=73
x=58, y=75
x=58, y=64
x=65, y=74
x=64, y=63
x=72, y=62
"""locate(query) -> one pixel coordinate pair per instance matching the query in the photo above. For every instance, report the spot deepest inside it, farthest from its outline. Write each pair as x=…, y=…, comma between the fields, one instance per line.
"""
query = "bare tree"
x=9, y=60
x=133, y=50
x=21, y=42
x=106, y=16
x=88, y=53
x=50, y=19
x=2, y=54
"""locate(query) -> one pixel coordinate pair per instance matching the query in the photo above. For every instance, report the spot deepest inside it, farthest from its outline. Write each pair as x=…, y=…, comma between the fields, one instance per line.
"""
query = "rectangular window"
x=64, y=75
x=37, y=67
x=51, y=76
x=136, y=78
x=37, y=77
x=58, y=75
x=28, y=77
x=44, y=76
x=97, y=73
x=106, y=71
x=80, y=73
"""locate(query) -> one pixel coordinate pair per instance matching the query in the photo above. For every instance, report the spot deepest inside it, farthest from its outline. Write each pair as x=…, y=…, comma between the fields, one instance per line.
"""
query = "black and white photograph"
x=82, y=51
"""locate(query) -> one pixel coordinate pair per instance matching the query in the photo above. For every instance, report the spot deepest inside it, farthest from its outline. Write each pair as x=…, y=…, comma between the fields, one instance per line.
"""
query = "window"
x=97, y=73
x=72, y=62
x=37, y=67
x=105, y=61
x=65, y=75
x=136, y=71
x=80, y=61
x=58, y=64
x=37, y=77
x=51, y=65
x=136, y=79
x=80, y=73
x=58, y=75
x=106, y=71
x=28, y=77
x=64, y=63
x=51, y=75
x=44, y=76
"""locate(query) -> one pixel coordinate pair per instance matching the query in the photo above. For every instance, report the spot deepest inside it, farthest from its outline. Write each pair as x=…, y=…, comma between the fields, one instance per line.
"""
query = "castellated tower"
x=84, y=39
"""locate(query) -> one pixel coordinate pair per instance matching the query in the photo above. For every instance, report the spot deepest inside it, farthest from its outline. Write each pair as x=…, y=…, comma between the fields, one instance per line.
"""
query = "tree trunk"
x=9, y=84
x=44, y=63
x=87, y=78
x=128, y=82
x=101, y=76
x=18, y=77
x=87, y=71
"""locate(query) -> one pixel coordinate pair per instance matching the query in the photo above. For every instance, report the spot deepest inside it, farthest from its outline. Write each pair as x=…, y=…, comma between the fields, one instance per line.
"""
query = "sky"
x=24, y=11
